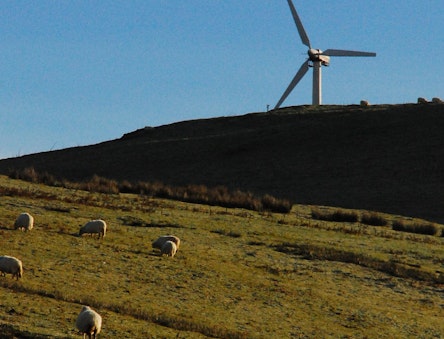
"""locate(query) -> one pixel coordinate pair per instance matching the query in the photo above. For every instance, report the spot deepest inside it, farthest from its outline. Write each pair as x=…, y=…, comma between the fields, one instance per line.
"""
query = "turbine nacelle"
x=316, y=55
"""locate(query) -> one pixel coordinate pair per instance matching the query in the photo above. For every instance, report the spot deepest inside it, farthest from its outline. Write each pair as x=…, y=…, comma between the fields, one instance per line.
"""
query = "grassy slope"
x=386, y=158
x=227, y=280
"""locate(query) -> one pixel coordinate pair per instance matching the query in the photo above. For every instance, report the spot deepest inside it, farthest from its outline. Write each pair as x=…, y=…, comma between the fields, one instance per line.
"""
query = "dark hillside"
x=387, y=157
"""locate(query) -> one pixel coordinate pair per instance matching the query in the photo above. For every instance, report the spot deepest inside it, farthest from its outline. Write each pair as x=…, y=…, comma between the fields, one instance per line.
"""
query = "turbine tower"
x=316, y=59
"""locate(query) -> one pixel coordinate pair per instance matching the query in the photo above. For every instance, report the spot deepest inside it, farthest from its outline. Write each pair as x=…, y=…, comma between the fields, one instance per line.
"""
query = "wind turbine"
x=316, y=59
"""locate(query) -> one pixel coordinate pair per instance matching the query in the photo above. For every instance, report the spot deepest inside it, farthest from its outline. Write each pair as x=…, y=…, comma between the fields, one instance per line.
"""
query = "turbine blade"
x=299, y=25
x=340, y=52
x=299, y=75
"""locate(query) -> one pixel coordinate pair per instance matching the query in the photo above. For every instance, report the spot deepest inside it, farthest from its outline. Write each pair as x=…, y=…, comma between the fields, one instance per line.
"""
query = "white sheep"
x=89, y=322
x=24, y=221
x=163, y=239
x=364, y=103
x=11, y=265
x=437, y=100
x=94, y=226
x=422, y=100
x=169, y=249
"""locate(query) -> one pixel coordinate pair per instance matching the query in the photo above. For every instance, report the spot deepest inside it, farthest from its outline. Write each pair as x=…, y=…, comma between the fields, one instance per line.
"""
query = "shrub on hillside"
x=31, y=175
x=337, y=216
x=27, y=174
x=126, y=187
x=373, y=219
x=201, y=194
x=427, y=229
x=271, y=203
x=101, y=185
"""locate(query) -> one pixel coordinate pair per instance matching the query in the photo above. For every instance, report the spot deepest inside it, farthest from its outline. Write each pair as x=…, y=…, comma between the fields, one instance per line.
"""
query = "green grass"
x=237, y=274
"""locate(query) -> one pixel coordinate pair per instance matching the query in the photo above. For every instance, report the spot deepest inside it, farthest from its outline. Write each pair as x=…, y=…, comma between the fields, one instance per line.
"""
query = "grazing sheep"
x=169, y=249
x=364, y=103
x=437, y=100
x=11, y=265
x=422, y=100
x=24, y=221
x=94, y=226
x=89, y=322
x=164, y=238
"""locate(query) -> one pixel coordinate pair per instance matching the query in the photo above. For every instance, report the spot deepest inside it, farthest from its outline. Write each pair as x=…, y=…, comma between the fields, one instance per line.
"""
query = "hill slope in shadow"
x=387, y=158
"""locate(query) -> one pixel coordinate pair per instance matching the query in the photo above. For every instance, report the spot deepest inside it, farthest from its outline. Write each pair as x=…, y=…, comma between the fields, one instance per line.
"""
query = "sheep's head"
x=85, y=308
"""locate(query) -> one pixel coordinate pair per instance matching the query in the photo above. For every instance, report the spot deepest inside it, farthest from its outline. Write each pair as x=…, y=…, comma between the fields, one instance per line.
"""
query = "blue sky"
x=75, y=73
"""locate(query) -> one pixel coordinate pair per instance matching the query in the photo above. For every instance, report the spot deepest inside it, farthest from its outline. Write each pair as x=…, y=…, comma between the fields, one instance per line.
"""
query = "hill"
x=237, y=274
x=387, y=158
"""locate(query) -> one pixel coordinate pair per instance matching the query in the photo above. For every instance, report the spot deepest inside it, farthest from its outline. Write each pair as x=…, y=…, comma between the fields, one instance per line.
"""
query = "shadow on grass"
x=9, y=331
x=392, y=267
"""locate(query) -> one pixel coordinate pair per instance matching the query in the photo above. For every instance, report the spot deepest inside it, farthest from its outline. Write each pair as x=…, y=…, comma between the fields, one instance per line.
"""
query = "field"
x=237, y=274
